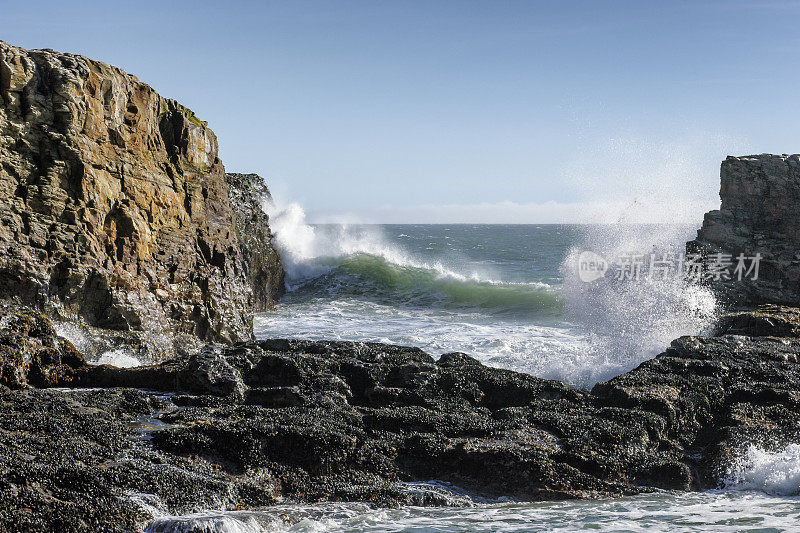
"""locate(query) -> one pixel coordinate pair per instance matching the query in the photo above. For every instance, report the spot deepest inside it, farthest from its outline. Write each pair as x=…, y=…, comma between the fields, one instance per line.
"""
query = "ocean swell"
x=339, y=261
x=377, y=279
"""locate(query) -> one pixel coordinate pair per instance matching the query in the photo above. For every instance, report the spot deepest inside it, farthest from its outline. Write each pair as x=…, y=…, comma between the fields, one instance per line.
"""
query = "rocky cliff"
x=760, y=214
x=115, y=208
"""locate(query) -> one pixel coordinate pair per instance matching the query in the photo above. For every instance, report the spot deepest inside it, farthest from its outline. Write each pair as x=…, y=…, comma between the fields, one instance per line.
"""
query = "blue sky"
x=462, y=111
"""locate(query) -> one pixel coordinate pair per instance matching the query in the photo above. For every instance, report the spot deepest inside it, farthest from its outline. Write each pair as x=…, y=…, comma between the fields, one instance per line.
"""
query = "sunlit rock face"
x=760, y=214
x=115, y=209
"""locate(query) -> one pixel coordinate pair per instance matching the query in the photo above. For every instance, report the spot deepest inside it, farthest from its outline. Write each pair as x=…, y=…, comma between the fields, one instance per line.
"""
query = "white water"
x=398, y=286
x=714, y=511
x=82, y=340
x=634, y=320
x=117, y=357
x=773, y=472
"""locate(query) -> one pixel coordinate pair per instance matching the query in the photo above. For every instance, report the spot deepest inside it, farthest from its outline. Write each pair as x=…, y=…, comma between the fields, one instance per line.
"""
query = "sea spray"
x=507, y=295
x=84, y=342
x=117, y=357
x=631, y=320
x=774, y=472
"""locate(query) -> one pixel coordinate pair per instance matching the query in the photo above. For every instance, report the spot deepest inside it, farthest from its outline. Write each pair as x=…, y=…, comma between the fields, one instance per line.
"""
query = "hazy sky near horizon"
x=461, y=111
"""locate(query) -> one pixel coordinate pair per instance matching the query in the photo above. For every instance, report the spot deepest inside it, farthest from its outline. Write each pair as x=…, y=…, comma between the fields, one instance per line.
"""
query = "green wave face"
x=375, y=278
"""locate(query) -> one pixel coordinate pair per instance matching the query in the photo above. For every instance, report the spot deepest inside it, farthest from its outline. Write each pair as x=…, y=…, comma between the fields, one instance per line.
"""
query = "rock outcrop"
x=263, y=267
x=246, y=425
x=760, y=214
x=115, y=208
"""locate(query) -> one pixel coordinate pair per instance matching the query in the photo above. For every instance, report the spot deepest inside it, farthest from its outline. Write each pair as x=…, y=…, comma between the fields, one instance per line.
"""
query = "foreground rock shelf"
x=248, y=425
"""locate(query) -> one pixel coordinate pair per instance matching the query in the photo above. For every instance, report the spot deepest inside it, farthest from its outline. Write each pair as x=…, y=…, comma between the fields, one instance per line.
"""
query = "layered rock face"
x=760, y=213
x=115, y=208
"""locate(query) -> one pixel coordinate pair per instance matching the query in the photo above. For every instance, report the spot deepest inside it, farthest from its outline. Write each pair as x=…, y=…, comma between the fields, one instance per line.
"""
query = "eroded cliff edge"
x=760, y=214
x=115, y=208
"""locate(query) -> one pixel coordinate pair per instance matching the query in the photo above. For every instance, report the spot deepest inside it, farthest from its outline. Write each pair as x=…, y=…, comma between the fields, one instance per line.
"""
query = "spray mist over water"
x=517, y=303
x=82, y=339
x=633, y=320
x=773, y=472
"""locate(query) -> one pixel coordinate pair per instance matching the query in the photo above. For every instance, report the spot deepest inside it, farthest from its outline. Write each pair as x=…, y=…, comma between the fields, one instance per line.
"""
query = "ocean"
x=509, y=295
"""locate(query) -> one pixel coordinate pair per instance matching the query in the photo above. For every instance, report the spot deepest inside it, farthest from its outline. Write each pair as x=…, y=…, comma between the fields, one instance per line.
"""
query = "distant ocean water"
x=505, y=294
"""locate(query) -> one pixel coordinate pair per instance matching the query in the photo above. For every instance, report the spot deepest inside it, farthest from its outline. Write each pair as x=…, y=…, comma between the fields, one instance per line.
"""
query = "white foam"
x=118, y=357
x=633, y=320
x=660, y=512
x=302, y=246
x=208, y=522
x=772, y=472
x=75, y=334
x=548, y=351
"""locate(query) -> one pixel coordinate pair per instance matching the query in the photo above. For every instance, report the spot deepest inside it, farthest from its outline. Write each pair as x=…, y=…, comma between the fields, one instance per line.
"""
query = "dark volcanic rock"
x=115, y=209
x=766, y=321
x=715, y=396
x=81, y=461
x=314, y=421
x=759, y=214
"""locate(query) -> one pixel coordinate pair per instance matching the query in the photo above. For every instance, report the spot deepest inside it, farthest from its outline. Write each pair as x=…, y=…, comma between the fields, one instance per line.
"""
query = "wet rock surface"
x=115, y=209
x=251, y=424
x=32, y=353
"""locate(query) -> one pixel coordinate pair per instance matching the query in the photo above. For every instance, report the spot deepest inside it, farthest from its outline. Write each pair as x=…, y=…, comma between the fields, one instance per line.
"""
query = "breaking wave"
x=634, y=320
x=377, y=279
x=773, y=472
x=357, y=261
x=351, y=281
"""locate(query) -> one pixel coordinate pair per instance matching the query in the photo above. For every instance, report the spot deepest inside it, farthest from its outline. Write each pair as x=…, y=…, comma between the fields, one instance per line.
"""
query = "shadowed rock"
x=760, y=214
x=315, y=421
